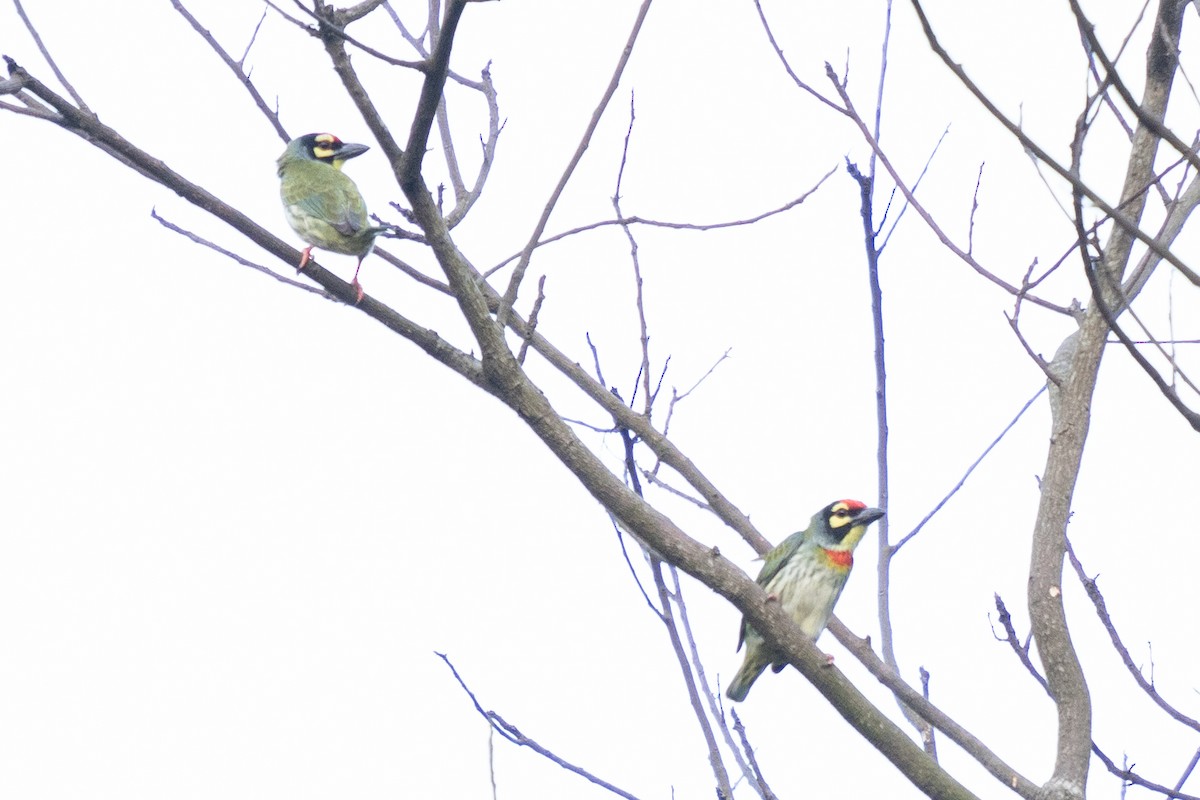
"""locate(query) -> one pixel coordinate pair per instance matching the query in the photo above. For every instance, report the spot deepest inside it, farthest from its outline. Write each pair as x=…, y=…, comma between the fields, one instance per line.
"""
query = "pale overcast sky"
x=237, y=521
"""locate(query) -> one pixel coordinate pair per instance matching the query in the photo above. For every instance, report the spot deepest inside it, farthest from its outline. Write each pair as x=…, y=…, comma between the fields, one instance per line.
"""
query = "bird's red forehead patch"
x=854, y=505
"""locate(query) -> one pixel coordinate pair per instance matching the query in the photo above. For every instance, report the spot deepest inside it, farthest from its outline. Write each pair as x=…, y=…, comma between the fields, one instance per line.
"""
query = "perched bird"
x=321, y=203
x=805, y=573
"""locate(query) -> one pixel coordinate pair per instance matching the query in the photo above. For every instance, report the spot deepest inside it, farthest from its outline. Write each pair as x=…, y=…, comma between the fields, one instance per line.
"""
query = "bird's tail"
x=746, y=676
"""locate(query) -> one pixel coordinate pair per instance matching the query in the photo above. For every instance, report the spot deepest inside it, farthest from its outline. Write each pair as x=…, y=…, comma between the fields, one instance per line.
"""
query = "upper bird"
x=805, y=573
x=321, y=203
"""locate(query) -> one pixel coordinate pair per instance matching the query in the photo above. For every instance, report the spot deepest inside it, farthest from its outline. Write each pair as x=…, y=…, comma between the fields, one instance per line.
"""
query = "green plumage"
x=805, y=574
x=320, y=201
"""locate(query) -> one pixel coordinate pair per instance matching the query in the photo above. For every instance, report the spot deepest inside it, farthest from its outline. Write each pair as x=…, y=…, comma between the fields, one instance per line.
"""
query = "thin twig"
x=621, y=533
x=236, y=66
x=681, y=226
x=677, y=397
x=514, y=735
x=687, y=670
x=653, y=479
x=916, y=184
x=970, y=469
x=244, y=262
x=514, y=283
x=974, y=208
x=639, y=296
x=1134, y=778
x=36, y=113
x=966, y=258
x=1126, y=223
x=1020, y=649
x=1114, y=79
x=464, y=198
x=1022, y=653
x=1188, y=770
x=724, y=790
x=764, y=791
x=492, y=759
x=713, y=698
x=50, y=59
x=1093, y=592
x=336, y=26
x=533, y=319
x=783, y=59
x=971, y=745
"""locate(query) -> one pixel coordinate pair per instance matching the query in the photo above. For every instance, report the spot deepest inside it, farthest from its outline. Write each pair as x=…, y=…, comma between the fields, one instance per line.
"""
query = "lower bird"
x=322, y=204
x=805, y=573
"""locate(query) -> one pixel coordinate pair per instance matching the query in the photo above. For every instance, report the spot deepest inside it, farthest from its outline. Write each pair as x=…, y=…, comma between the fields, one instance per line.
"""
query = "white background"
x=237, y=521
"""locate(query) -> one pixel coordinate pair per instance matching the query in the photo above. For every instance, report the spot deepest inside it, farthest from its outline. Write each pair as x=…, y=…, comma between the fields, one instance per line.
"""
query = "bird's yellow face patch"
x=844, y=522
x=326, y=146
x=841, y=514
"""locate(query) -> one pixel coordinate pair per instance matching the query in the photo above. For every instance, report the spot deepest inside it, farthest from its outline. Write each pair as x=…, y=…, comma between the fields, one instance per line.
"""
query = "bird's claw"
x=358, y=291
x=305, y=255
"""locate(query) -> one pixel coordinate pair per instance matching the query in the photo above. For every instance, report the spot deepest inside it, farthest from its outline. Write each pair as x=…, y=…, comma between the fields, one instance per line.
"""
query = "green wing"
x=325, y=193
x=774, y=561
x=779, y=556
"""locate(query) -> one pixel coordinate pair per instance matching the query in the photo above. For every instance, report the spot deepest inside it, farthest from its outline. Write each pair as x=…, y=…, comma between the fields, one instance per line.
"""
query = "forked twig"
x=1093, y=593
x=236, y=67
x=514, y=283
x=37, y=39
x=514, y=735
x=679, y=226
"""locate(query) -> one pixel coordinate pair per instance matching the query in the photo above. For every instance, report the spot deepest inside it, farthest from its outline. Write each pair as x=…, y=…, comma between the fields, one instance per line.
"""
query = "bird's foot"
x=304, y=258
x=771, y=598
x=358, y=291
x=828, y=660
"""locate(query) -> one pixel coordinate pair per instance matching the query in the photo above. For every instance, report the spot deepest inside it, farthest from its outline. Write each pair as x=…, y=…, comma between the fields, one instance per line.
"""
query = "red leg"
x=358, y=296
x=304, y=257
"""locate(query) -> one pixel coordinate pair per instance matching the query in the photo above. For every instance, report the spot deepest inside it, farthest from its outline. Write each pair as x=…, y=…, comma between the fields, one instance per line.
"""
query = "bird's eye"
x=841, y=512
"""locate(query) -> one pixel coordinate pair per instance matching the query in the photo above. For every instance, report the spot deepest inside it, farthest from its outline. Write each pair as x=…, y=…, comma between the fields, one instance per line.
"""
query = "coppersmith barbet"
x=806, y=573
x=321, y=203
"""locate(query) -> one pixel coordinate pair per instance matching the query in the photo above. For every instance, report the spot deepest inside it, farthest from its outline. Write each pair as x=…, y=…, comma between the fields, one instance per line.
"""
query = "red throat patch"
x=840, y=558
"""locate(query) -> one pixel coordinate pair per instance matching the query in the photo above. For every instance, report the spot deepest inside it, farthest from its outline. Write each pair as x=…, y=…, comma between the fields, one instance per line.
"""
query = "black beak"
x=867, y=516
x=350, y=150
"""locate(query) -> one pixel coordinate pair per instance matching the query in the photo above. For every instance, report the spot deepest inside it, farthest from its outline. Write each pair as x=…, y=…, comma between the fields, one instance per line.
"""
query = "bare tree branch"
x=1093, y=592
x=760, y=782
x=967, y=258
x=87, y=127
x=236, y=66
x=514, y=735
x=972, y=746
x=1124, y=773
x=37, y=39
x=514, y=283
x=724, y=790
x=639, y=297
x=683, y=226
x=244, y=262
x=917, y=529
x=1125, y=221
x=1113, y=78
x=332, y=22
x=787, y=66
